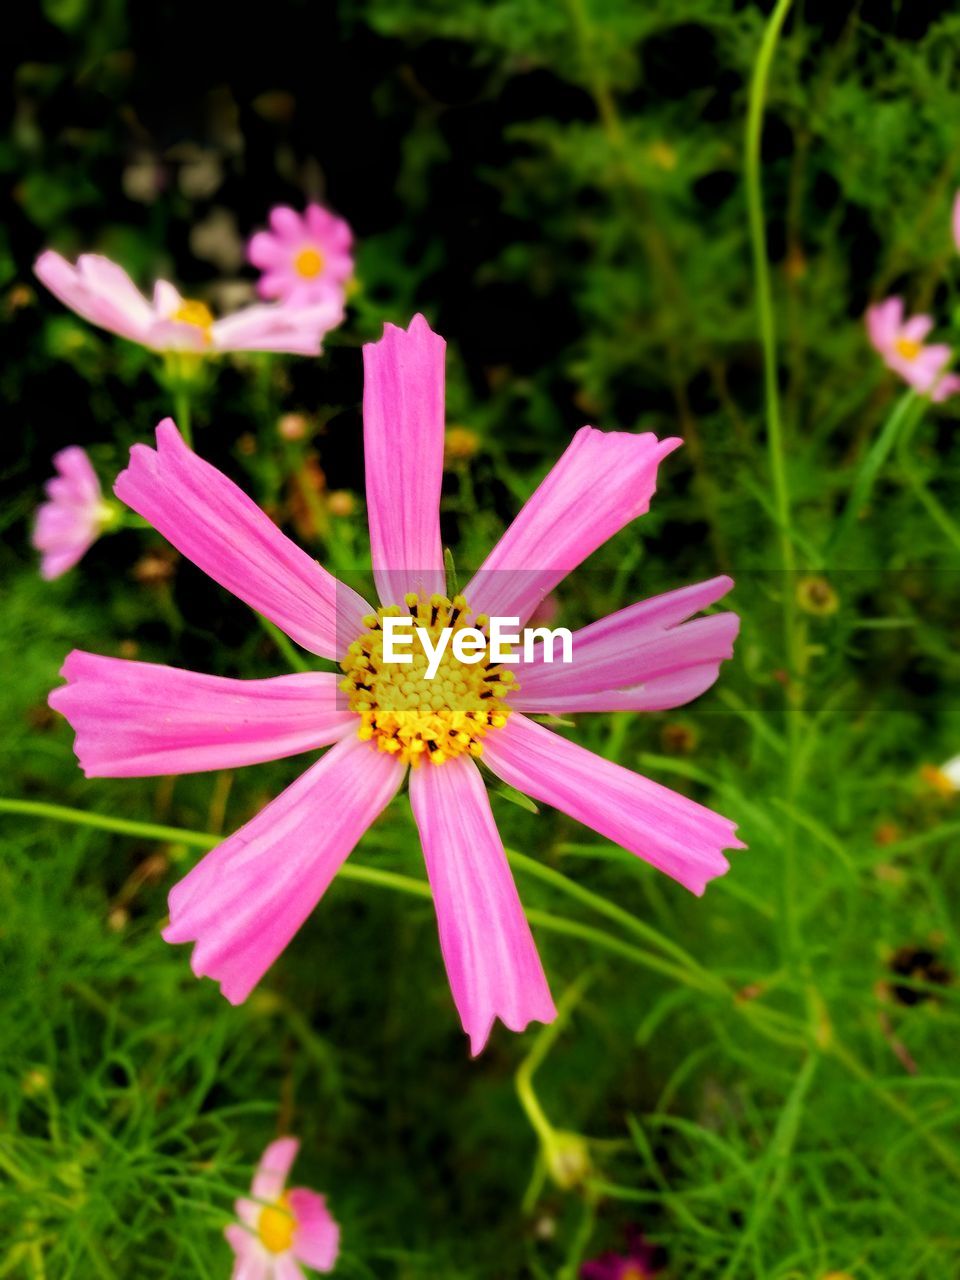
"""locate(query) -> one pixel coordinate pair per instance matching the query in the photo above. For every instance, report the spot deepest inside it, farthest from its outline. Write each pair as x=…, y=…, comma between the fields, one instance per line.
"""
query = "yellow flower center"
x=908, y=348
x=409, y=715
x=633, y=1271
x=196, y=313
x=308, y=263
x=276, y=1226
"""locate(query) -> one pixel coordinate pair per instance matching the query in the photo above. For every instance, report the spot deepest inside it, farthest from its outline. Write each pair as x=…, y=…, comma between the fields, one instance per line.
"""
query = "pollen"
x=196, y=313
x=308, y=263
x=908, y=348
x=276, y=1226
x=411, y=717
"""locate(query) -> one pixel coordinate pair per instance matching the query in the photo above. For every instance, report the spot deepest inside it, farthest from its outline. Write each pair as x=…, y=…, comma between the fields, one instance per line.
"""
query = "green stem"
x=792, y=640
x=181, y=410
x=295, y=660
x=898, y=420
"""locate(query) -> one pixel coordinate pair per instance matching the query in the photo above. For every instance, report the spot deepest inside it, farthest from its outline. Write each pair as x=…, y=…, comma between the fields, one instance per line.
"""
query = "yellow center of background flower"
x=414, y=718
x=308, y=263
x=908, y=348
x=276, y=1226
x=633, y=1271
x=196, y=313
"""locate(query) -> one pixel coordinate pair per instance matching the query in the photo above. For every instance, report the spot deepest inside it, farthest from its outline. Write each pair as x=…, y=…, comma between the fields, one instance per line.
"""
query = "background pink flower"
x=638, y=1263
x=242, y=904
x=74, y=515
x=901, y=343
x=101, y=291
x=304, y=257
x=278, y=1230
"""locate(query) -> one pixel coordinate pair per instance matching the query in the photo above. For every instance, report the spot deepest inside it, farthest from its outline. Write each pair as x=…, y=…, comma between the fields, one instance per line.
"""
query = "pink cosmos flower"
x=246, y=899
x=305, y=257
x=280, y=1229
x=900, y=342
x=74, y=515
x=104, y=294
x=639, y=1263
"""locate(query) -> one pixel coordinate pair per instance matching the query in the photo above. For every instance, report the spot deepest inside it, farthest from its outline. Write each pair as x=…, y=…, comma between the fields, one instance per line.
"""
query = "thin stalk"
x=899, y=420
x=181, y=410
x=792, y=639
x=294, y=659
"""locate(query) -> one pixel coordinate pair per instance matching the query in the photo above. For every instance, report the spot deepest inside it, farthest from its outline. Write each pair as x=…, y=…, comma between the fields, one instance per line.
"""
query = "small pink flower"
x=901, y=343
x=74, y=515
x=305, y=257
x=243, y=903
x=639, y=1263
x=102, y=292
x=279, y=1229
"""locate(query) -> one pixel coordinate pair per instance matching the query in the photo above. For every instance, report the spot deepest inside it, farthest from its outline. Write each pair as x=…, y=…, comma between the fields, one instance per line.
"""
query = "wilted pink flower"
x=104, y=294
x=280, y=1229
x=244, y=901
x=900, y=342
x=74, y=515
x=638, y=1263
x=304, y=257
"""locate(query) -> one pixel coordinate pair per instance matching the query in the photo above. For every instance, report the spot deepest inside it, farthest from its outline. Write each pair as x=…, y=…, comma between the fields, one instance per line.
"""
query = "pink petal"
x=916, y=328
x=489, y=952
x=138, y=719
x=674, y=834
x=274, y=1169
x=74, y=464
x=99, y=291
x=246, y=899
x=251, y=1261
x=884, y=320
x=265, y=250
x=317, y=1239
x=403, y=419
x=214, y=524
x=648, y=644
x=293, y=330
x=659, y=694
x=286, y=1267
x=948, y=385
x=287, y=223
x=602, y=481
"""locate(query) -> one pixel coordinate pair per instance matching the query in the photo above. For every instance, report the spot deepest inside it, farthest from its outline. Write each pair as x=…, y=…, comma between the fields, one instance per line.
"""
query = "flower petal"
x=251, y=1261
x=674, y=834
x=403, y=417
x=243, y=902
x=214, y=524
x=884, y=320
x=139, y=719
x=489, y=952
x=316, y=1241
x=601, y=482
x=268, y=327
x=649, y=644
x=274, y=1169
x=99, y=291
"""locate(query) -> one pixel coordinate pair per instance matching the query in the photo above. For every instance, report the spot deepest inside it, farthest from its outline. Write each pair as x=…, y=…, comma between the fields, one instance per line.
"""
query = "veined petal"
x=294, y=330
x=138, y=719
x=601, y=482
x=246, y=899
x=403, y=418
x=274, y=1169
x=214, y=524
x=648, y=644
x=99, y=291
x=316, y=1241
x=488, y=950
x=674, y=834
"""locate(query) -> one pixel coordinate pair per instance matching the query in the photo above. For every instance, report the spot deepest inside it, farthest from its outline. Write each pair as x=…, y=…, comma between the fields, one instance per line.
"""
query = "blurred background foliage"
x=559, y=187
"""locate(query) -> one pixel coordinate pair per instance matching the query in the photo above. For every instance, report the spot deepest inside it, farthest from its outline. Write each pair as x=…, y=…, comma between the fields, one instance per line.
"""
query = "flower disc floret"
x=415, y=718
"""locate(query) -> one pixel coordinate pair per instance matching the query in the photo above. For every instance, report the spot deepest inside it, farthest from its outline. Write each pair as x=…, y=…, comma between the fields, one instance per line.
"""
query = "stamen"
x=276, y=1226
x=409, y=716
x=308, y=263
